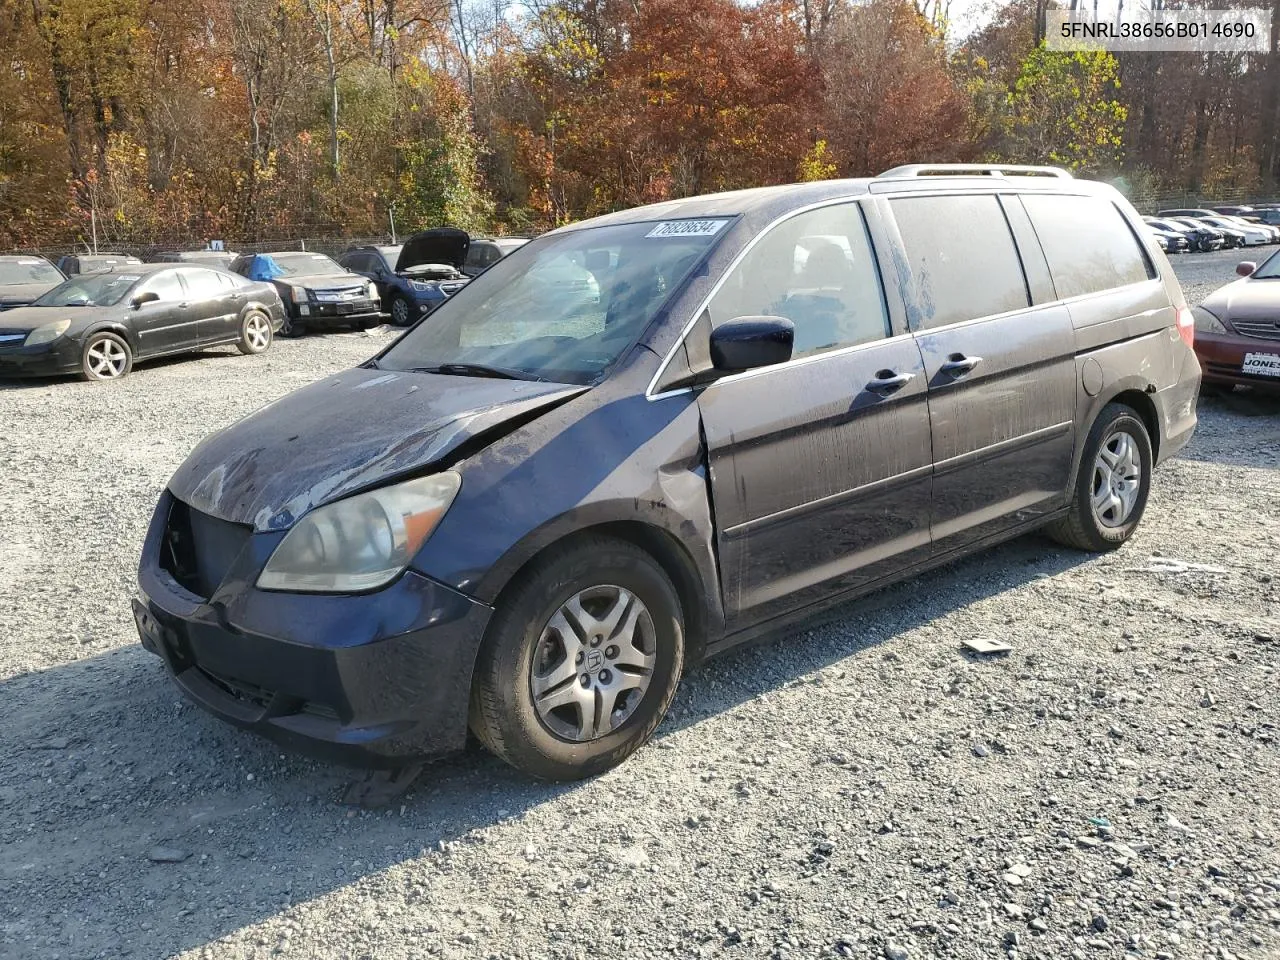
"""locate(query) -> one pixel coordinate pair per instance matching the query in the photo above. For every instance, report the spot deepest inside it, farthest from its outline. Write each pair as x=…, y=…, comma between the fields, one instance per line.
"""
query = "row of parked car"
x=1219, y=228
x=126, y=310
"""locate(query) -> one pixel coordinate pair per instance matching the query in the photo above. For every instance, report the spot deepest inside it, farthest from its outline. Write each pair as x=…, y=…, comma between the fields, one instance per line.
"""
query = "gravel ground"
x=858, y=788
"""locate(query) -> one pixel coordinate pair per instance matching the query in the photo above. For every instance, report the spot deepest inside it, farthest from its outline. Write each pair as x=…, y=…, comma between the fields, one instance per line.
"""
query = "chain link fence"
x=331, y=246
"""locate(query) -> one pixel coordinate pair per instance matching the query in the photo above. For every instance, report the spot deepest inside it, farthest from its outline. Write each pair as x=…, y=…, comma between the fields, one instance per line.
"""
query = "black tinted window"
x=816, y=270
x=961, y=256
x=1087, y=242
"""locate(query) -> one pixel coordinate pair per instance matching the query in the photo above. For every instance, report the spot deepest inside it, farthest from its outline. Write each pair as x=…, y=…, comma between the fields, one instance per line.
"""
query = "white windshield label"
x=29, y=263
x=687, y=228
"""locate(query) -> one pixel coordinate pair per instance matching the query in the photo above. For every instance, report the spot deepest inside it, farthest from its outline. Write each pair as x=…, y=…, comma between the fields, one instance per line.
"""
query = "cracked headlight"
x=362, y=542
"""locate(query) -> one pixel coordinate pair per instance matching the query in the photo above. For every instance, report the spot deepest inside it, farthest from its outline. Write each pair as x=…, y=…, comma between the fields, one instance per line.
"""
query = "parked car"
x=1231, y=238
x=486, y=251
x=77, y=263
x=1204, y=239
x=1249, y=220
x=415, y=277
x=530, y=521
x=1267, y=215
x=1168, y=240
x=1189, y=212
x=98, y=325
x=1238, y=329
x=315, y=290
x=23, y=278
x=1250, y=235
x=1233, y=210
x=221, y=259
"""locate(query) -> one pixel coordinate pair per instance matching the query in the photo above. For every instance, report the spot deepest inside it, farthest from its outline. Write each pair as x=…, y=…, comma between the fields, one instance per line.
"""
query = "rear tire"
x=598, y=608
x=255, y=333
x=1111, y=485
x=106, y=356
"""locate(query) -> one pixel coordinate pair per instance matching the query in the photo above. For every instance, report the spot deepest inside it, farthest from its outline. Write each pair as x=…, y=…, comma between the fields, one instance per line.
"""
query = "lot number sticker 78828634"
x=687, y=228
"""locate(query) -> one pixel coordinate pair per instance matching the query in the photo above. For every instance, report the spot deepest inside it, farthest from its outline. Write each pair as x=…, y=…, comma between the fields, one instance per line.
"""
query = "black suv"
x=315, y=290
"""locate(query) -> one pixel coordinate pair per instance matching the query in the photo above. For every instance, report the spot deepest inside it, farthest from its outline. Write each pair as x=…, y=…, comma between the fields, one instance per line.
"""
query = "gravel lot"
x=859, y=788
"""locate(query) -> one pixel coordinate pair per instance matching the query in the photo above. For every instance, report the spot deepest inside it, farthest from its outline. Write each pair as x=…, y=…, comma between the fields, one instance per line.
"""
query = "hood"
x=1246, y=299
x=444, y=245
x=352, y=431
x=28, y=318
x=23, y=293
x=324, y=281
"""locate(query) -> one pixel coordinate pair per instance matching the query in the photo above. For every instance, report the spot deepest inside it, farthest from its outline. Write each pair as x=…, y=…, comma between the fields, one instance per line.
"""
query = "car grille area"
x=1261, y=329
x=199, y=550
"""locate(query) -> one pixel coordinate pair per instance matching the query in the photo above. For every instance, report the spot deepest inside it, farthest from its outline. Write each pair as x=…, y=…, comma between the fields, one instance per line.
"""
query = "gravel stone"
x=477, y=862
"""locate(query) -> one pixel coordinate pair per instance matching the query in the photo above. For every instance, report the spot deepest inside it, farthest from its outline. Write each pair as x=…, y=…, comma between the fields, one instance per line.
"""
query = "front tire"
x=580, y=662
x=292, y=327
x=399, y=311
x=255, y=334
x=106, y=356
x=1112, y=483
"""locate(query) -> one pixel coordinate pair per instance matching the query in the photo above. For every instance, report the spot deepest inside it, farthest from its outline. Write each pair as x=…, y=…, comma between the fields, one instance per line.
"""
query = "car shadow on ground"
x=101, y=761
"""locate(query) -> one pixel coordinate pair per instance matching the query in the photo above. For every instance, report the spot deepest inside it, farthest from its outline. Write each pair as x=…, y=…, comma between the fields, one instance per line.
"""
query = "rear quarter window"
x=962, y=258
x=1087, y=242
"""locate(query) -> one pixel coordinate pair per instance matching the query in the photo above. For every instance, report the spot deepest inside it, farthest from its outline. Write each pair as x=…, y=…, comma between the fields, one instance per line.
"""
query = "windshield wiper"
x=478, y=370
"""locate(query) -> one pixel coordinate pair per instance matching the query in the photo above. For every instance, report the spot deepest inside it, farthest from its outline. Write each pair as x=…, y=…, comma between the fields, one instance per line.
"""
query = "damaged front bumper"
x=370, y=680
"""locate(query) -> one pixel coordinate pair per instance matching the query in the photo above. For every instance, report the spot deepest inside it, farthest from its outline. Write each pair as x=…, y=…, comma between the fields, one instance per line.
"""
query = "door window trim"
x=868, y=222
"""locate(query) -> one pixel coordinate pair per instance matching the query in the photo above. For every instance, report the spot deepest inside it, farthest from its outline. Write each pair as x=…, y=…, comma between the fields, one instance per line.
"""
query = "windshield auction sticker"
x=1247, y=30
x=687, y=228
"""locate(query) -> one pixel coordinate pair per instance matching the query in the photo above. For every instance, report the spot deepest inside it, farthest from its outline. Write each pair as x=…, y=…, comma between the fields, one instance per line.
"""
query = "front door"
x=1001, y=373
x=820, y=467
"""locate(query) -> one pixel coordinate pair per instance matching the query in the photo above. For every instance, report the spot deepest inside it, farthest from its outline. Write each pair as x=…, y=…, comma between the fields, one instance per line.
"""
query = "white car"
x=1255, y=234
x=1272, y=231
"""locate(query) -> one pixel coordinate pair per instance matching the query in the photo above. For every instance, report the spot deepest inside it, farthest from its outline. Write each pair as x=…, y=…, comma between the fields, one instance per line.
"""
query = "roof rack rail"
x=973, y=169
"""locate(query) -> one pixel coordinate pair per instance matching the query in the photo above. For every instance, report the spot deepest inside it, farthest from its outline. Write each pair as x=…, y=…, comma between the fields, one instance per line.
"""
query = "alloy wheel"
x=399, y=312
x=257, y=332
x=593, y=663
x=107, y=359
x=1117, y=479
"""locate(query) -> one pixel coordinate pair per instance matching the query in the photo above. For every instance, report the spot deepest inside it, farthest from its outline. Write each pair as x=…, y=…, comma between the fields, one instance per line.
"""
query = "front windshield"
x=563, y=308
x=93, y=290
x=304, y=264
x=28, y=271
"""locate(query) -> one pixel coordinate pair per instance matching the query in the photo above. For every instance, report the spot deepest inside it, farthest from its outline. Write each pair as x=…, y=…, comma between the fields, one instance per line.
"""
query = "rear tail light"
x=1187, y=326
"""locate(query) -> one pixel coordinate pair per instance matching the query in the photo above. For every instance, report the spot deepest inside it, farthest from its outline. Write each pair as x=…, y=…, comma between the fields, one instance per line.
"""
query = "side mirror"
x=1246, y=269
x=149, y=296
x=745, y=343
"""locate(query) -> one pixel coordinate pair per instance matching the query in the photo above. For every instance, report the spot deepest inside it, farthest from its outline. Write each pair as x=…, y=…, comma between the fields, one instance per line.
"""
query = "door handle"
x=887, y=382
x=185, y=303
x=958, y=365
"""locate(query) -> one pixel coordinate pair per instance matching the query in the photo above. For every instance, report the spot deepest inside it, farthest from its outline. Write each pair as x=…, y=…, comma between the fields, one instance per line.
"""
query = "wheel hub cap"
x=106, y=359
x=257, y=333
x=593, y=663
x=1117, y=479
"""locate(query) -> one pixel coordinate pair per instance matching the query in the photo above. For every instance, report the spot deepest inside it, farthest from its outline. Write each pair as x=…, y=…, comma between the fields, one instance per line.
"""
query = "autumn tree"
x=890, y=97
